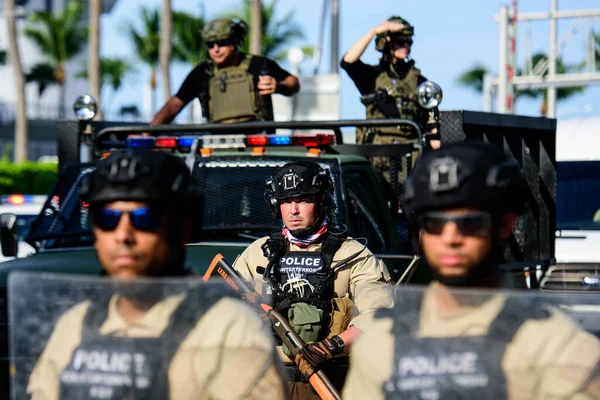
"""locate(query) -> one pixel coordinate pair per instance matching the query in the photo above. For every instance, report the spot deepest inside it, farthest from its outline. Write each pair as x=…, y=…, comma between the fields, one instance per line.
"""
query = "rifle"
x=384, y=101
x=219, y=267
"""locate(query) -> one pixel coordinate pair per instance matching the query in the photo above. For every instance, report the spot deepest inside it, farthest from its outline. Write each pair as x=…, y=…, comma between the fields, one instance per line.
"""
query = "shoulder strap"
x=94, y=317
x=331, y=244
x=512, y=316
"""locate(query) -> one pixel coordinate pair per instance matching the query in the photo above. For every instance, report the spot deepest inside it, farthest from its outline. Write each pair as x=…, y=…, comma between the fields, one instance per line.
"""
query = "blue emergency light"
x=140, y=142
x=280, y=140
x=186, y=142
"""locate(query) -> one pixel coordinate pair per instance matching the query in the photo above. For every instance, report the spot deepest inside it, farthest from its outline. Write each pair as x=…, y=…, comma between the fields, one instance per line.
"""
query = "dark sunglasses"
x=402, y=42
x=468, y=224
x=143, y=219
x=219, y=43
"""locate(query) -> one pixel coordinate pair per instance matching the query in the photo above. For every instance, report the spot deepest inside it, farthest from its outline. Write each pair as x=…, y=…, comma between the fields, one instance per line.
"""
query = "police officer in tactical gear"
x=396, y=78
x=232, y=86
x=326, y=283
x=465, y=198
x=140, y=204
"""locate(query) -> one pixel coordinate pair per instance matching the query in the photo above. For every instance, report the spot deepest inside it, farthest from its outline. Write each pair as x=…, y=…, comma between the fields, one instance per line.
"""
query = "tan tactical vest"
x=404, y=92
x=233, y=96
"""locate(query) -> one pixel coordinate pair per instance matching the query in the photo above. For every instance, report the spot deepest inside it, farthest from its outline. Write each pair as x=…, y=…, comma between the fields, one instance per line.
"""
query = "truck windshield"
x=578, y=195
x=232, y=190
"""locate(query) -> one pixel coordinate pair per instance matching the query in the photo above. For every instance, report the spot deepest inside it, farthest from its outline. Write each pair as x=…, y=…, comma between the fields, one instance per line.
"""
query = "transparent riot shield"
x=437, y=343
x=85, y=327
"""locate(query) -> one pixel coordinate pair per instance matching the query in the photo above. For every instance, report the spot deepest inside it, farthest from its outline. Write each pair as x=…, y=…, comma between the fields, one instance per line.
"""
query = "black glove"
x=314, y=354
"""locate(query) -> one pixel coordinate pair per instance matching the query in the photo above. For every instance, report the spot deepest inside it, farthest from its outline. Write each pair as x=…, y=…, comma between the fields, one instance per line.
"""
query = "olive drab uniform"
x=347, y=283
x=233, y=96
x=403, y=91
x=505, y=347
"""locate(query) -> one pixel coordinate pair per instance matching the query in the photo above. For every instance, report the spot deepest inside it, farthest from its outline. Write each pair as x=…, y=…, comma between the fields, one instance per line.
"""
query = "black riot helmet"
x=141, y=175
x=466, y=174
x=296, y=179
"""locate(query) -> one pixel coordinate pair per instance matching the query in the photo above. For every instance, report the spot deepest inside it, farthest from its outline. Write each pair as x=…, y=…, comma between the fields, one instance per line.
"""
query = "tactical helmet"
x=381, y=39
x=296, y=179
x=224, y=29
x=140, y=175
x=466, y=174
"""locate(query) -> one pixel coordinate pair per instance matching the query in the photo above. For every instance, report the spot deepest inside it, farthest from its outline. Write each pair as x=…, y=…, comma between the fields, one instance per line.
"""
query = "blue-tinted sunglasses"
x=144, y=219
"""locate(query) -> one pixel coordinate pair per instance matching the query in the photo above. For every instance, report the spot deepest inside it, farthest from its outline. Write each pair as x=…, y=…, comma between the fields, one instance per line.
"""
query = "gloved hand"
x=315, y=353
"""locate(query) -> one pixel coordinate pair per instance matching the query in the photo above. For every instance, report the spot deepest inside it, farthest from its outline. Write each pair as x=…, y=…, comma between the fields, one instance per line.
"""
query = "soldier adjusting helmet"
x=224, y=29
x=381, y=40
x=467, y=174
x=297, y=179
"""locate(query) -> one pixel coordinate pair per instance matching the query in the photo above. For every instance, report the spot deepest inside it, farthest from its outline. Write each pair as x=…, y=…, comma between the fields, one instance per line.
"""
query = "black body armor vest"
x=116, y=368
x=453, y=367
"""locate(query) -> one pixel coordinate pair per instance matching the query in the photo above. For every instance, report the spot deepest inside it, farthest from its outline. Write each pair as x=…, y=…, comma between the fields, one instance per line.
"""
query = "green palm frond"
x=188, y=45
x=112, y=70
x=59, y=37
x=277, y=35
x=42, y=74
x=3, y=57
x=473, y=78
x=147, y=41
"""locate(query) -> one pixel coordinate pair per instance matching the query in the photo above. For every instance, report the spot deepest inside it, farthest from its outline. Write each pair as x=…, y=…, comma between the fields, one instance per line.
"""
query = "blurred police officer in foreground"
x=465, y=198
x=140, y=205
x=232, y=86
x=325, y=282
x=396, y=78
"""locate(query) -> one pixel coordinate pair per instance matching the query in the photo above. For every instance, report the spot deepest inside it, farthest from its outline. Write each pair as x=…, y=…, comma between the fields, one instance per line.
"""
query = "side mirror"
x=429, y=94
x=8, y=235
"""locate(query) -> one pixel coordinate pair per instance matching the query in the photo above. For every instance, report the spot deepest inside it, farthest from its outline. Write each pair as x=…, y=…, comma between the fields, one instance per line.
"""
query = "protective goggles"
x=219, y=43
x=401, y=41
x=468, y=224
x=144, y=219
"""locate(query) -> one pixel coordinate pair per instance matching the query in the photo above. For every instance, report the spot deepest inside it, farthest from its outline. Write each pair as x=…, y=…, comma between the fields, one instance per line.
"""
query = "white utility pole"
x=551, y=98
x=502, y=57
x=536, y=79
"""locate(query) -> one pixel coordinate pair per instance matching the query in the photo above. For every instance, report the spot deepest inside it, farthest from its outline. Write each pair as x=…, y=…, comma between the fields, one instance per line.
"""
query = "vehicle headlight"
x=85, y=108
x=429, y=94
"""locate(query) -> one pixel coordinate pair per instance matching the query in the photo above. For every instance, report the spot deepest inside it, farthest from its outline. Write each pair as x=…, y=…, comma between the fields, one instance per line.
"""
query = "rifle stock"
x=219, y=267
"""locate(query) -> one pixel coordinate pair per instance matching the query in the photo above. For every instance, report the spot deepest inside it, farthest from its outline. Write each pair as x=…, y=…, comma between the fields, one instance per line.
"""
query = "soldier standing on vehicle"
x=397, y=78
x=140, y=206
x=325, y=282
x=232, y=86
x=465, y=198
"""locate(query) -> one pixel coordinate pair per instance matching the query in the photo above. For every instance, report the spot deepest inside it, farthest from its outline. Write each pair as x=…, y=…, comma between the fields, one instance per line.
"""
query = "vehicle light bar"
x=186, y=142
x=140, y=142
x=166, y=142
x=257, y=140
x=320, y=139
x=223, y=141
x=19, y=199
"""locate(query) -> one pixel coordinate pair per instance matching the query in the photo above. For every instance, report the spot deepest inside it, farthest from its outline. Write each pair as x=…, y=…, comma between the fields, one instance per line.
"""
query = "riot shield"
x=438, y=343
x=77, y=322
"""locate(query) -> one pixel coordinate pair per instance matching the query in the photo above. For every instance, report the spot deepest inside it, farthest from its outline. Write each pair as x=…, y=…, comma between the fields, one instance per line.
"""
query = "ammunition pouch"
x=306, y=319
x=341, y=315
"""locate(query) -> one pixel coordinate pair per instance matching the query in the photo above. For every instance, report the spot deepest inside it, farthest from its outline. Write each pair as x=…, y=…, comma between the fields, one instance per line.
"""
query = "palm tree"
x=166, y=48
x=276, y=34
x=21, y=134
x=112, y=72
x=59, y=37
x=473, y=78
x=147, y=44
x=43, y=75
x=95, y=9
x=255, y=27
x=188, y=46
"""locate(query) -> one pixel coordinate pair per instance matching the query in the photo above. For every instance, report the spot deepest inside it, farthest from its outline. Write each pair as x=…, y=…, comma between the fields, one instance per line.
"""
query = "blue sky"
x=450, y=36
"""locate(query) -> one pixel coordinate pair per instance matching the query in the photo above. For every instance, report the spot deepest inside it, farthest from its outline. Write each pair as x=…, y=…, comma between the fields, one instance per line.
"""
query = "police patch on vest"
x=107, y=370
x=300, y=263
x=464, y=367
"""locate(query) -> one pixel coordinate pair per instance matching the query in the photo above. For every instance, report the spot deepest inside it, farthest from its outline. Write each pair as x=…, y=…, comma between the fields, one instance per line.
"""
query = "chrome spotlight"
x=85, y=108
x=429, y=94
